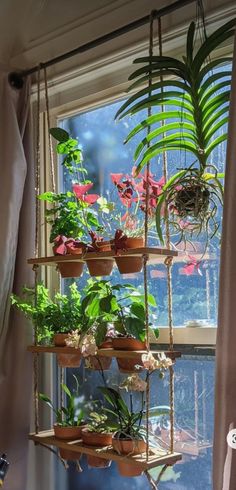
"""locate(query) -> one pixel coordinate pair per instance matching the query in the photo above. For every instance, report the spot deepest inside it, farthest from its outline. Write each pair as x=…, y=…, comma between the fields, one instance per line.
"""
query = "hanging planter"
x=125, y=364
x=127, y=265
x=127, y=446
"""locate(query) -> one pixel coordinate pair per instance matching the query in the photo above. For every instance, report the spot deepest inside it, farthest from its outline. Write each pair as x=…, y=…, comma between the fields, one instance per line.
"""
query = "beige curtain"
x=16, y=244
x=224, y=461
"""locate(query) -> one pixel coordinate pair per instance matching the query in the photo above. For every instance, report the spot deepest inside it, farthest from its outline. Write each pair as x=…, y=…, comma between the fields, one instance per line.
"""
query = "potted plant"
x=196, y=102
x=130, y=233
x=69, y=420
x=123, y=306
x=98, y=433
x=86, y=344
x=73, y=215
x=99, y=267
x=130, y=437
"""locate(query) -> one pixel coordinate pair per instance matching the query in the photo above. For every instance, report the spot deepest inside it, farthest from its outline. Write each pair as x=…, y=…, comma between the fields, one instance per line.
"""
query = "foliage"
x=100, y=423
x=129, y=422
x=196, y=102
x=62, y=314
x=70, y=148
x=121, y=304
x=70, y=415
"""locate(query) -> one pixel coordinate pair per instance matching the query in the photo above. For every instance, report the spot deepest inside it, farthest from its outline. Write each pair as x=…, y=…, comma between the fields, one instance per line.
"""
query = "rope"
x=36, y=252
x=154, y=484
x=51, y=156
x=145, y=258
x=168, y=263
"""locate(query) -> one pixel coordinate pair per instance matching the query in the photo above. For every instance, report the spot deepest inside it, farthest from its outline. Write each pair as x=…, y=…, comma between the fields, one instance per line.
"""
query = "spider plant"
x=191, y=112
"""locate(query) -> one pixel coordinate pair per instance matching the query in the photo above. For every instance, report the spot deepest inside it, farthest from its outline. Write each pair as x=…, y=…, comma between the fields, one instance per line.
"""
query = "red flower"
x=80, y=191
x=192, y=266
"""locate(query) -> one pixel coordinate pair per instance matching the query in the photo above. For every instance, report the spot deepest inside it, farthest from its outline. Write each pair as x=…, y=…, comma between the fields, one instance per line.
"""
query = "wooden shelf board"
x=152, y=252
x=158, y=459
x=101, y=352
x=191, y=448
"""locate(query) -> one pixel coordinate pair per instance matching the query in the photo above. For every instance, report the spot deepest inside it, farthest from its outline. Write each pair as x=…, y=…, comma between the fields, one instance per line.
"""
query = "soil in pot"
x=70, y=269
x=192, y=200
x=129, y=265
x=100, y=267
x=66, y=360
x=125, y=364
x=129, y=447
x=68, y=434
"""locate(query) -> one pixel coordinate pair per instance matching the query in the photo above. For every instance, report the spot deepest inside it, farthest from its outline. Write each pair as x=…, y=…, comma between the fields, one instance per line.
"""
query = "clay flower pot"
x=96, y=440
x=129, y=265
x=98, y=363
x=68, y=434
x=100, y=267
x=129, y=447
x=70, y=269
x=66, y=360
x=127, y=365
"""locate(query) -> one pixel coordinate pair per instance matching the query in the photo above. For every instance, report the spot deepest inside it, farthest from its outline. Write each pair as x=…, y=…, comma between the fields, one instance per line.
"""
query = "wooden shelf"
x=152, y=252
x=101, y=352
x=191, y=448
x=157, y=457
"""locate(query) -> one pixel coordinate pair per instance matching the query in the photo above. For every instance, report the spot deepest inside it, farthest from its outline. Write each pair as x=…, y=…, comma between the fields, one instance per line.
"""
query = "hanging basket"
x=192, y=200
x=129, y=265
x=129, y=446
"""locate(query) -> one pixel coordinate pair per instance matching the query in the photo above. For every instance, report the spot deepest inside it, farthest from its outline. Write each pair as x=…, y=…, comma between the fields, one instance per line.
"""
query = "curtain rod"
x=16, y=79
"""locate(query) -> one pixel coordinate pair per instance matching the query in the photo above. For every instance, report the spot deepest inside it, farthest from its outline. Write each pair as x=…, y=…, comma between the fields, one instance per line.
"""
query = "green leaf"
x=209, y=123
x=190, y=38
x=66, y=390
x=213, y=78
x=215, y=143
x=135, y=327
x=210, y=66
x=59, y=134
x=206, y=97
x=215, y=128
x=164, y=98
x=138, y=310
x=166, y=144
x=47, y=196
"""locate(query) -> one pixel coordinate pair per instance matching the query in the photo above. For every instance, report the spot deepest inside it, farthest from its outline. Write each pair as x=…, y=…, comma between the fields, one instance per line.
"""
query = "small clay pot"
x=129, y=447
x=70, y=269
x=98, y=363
x=107, y=344
x=100, y=267
x=66, y=360
x=68, y=434
x=130, y=265
x=95, y=462
x=96, y=439
x=128, y=365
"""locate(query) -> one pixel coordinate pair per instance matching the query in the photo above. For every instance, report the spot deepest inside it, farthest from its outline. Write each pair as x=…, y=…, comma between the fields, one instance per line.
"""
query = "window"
x=195, y=310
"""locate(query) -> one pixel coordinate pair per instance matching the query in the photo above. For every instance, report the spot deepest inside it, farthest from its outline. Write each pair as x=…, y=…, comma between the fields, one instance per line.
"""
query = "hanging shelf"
x=157, y=457
x=152, y=253
x=101, y=352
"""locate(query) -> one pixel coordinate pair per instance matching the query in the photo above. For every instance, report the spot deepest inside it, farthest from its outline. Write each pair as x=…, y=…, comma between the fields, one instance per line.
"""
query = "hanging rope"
x=145, y=258
x=168, y=263
x=36, y=251
x=51, y=155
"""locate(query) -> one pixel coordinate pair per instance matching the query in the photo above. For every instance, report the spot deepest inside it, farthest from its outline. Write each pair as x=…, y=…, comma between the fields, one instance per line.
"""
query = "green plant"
x=129, y=423
x=100, y=423
x=70, y=415
x=120, y=304
x=36, y=312
x=60, y=315
x=196, y=102
x=68, y=147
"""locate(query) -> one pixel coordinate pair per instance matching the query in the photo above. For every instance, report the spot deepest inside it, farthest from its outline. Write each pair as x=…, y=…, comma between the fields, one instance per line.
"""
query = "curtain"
x=224, y=458
x=16, y=244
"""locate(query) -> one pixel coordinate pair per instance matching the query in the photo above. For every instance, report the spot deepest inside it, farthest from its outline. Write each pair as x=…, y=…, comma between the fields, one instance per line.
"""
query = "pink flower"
x=151, y=364
x=60, y=245
x=80, y=191
x=88, y=346
x=192, y=266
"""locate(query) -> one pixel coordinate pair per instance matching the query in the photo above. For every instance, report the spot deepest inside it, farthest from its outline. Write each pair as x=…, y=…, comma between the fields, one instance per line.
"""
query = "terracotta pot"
x=100, y=267
x=70, y=269
x=129, y=447
x=95, y=462
x=96, y=439
x=125, y=364
x=71, y=434
x=107, y=344
x=66, y=360
x=98, y=363
x=129, y=265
